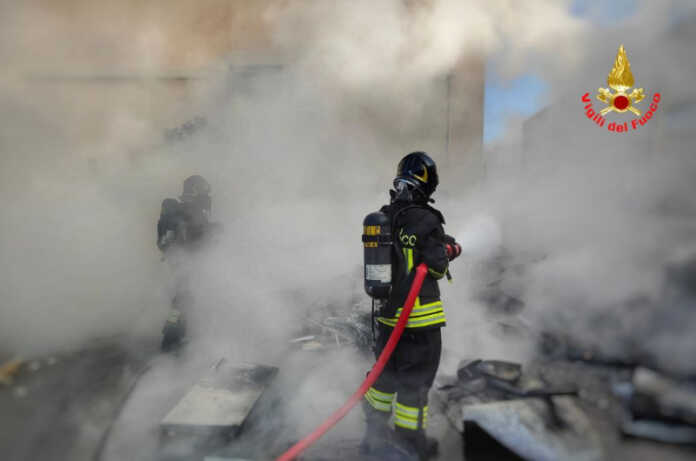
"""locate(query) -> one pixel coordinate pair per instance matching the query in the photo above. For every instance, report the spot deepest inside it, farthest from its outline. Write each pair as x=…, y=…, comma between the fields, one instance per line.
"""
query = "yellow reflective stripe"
x=418, y=318
x=415, y=323
x=383, y=396
x=439, y=318
x=407, y=417
x=386, y=321
x=432, y=304
x=426, y=314
x=408, y=256
x=436, y=274
x=421, y=309
x=406, y=424
x=401, y=408
x=378, y=404
x=381, y=401
x=421, y=315
x=436, y=316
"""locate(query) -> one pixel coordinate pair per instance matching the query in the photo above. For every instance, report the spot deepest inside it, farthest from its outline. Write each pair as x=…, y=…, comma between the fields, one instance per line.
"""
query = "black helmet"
x=195, y=186
x=419, y=172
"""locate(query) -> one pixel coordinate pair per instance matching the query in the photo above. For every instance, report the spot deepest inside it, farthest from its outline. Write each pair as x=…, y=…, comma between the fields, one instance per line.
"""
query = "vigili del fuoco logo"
x=620, y=80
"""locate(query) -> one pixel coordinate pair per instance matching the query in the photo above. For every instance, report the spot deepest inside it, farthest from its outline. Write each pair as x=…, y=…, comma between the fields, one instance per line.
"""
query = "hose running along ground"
x=377, y=369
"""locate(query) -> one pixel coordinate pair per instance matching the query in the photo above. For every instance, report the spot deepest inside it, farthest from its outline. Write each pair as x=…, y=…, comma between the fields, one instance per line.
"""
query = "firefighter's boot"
x=377, y=430
x=415, y=441
x=174, y=331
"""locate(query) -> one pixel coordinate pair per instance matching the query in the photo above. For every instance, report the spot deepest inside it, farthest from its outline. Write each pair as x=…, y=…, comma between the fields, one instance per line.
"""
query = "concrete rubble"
x=498, y=408
x=324, y=329
x=658, y=407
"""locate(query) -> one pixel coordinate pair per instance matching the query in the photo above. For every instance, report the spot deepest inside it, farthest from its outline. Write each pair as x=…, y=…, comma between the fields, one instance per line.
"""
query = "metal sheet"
x=523, y=426
x=221, y=400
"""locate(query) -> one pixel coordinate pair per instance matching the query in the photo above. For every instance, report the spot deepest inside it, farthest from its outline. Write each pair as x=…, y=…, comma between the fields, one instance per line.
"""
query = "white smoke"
x=297, y=156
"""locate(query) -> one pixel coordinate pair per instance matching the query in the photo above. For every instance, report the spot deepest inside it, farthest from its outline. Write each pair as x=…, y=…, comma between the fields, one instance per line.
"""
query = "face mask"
x=403, y=191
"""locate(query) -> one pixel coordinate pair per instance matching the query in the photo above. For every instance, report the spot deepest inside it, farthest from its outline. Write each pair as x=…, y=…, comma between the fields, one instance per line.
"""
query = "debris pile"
x=499, y=409
x=658, y=408
x=322, y=330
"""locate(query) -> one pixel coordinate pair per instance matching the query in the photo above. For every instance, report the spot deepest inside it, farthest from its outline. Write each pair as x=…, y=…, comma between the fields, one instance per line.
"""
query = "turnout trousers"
x=403, y=386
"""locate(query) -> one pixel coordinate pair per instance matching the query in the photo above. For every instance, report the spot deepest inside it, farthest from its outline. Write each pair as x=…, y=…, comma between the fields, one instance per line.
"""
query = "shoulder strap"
x=436, y=213
x=401, y=211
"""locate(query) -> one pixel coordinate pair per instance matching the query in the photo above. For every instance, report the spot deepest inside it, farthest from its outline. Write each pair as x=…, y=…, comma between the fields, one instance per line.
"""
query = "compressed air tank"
x=377, y=242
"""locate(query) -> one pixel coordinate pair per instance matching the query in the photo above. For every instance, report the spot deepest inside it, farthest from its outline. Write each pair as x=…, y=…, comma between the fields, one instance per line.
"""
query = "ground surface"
x=61, y=407
x=86, y=406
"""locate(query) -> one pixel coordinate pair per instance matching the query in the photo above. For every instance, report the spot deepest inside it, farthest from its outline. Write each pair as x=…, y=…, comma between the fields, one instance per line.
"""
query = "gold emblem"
x=620, y=79
x=424, y=177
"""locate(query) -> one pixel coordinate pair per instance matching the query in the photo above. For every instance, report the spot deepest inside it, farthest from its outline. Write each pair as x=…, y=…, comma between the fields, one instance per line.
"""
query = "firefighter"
x=402, y=389
x=182, y=227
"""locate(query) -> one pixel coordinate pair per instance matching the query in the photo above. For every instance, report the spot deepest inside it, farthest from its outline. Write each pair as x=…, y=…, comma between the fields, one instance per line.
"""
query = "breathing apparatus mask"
x=407, y=190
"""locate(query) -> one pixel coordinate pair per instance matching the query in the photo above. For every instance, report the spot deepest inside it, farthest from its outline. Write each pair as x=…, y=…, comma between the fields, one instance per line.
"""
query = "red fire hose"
x=303, y=444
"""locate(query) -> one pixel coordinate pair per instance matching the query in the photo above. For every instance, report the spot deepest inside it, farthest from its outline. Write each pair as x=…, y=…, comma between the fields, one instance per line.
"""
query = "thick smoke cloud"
x=303, y=147
x=607, y=214
x=298, y=154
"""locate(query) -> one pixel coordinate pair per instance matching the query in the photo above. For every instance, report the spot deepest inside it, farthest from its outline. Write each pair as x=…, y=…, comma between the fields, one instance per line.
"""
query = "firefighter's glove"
x=452, y=248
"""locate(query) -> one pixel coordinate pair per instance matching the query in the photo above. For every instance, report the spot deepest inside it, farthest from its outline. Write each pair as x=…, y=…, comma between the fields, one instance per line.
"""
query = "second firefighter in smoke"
x=183, y=226
x=414, y=235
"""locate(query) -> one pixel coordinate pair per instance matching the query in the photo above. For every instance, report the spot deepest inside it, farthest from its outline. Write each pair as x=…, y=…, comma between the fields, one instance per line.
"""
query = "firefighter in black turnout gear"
x=402, y=389
x=184, y=222
x=182, y=227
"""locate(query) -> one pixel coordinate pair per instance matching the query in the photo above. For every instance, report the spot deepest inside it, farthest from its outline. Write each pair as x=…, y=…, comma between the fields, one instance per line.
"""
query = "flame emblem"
x=621, y=80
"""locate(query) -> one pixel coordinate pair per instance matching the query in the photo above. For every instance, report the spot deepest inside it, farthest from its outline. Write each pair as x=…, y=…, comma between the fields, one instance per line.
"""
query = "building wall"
x=150, y=60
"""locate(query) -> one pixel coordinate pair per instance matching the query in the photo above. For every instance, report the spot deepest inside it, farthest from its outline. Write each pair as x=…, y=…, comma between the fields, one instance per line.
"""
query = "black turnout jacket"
x=419, y=237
